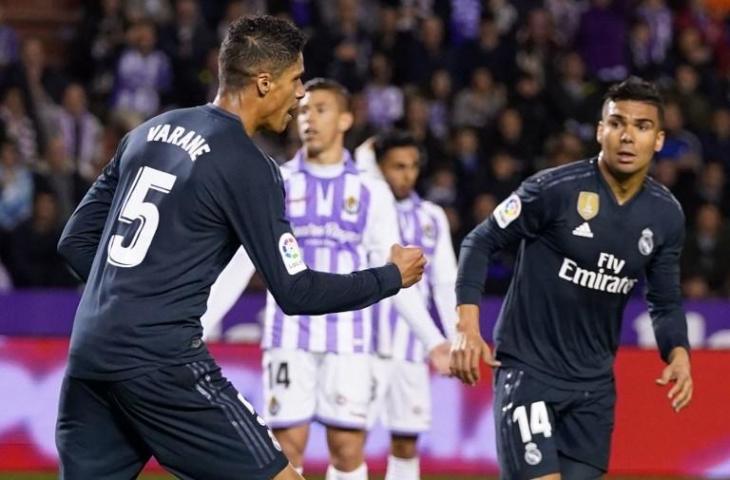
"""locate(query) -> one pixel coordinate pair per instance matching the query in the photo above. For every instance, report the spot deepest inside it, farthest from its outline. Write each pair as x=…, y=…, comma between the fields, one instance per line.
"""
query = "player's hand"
x=469, y=347
x=678, y=372
x=439, y=358
x=410, y=261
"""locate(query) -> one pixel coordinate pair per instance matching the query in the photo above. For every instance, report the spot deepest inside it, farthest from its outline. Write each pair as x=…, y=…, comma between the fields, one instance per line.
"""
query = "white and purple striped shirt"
x=344, y=221
x=424, y=224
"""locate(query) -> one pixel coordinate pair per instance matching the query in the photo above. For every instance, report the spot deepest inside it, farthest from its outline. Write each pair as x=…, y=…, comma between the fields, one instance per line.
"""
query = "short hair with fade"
x=257, y=44
x=332, y=86
x=390, y=139
x=638, y=90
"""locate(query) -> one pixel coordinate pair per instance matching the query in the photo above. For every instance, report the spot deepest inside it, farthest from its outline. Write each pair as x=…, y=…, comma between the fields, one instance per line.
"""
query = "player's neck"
x=236, y=105
x=624, y=187
x=330, y=156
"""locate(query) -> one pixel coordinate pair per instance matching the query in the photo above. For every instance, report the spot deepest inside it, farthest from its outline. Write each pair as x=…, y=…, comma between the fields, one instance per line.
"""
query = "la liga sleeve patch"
x=508, y=211
x=291, y=255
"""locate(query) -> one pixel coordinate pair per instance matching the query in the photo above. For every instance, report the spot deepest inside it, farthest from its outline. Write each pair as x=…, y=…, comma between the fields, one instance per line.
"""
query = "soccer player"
x=587, y=231
x=182, y=193
x=402, y=378
x=318, y=367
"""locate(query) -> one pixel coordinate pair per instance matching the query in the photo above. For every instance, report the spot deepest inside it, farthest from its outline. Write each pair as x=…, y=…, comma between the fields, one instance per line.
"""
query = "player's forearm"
x=78, y=254
x=411, y=308
x=315, y=293
x=473, y=263
x=80, y=238
x=670, y=330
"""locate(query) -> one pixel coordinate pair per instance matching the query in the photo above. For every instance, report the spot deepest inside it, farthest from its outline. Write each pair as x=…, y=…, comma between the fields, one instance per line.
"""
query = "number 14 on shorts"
x=538, y=421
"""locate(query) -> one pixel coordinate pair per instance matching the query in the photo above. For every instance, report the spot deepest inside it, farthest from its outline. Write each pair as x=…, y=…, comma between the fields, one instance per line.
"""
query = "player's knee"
x=293, y=444
x=346, y=452
x=402, y=446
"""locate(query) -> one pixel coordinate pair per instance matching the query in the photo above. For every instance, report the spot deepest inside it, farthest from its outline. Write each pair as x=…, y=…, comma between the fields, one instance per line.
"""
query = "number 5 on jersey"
x=136, y=208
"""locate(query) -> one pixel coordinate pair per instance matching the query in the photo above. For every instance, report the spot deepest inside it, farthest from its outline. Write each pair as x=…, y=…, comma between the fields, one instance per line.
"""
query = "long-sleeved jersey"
x=581, y=253
x=425, y=225
x=343, y=221
x=182, y=193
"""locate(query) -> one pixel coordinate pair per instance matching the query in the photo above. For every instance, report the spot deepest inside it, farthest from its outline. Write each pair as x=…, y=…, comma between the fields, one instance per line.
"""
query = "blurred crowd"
x=494, y=90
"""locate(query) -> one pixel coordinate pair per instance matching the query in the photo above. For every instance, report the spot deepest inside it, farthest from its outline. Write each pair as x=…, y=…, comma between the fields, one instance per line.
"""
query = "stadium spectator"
x=478, y=105
x=602, y=20
x=57, y=175
x=19, y=126
x=81, y=131
x=187, y=41
x=143, y=74
x=716, y=141
x=706, y=255
x=385, y=100
x=34, y=261
x=16, y=188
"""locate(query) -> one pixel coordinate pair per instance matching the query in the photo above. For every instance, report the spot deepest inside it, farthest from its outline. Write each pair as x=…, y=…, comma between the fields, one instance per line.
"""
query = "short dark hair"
x=256, y=44
x=332, y=86
x=388, y=140
x=639, y=90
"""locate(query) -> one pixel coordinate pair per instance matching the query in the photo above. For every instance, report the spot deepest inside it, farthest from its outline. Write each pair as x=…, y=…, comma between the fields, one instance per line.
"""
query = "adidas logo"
x=583, y=230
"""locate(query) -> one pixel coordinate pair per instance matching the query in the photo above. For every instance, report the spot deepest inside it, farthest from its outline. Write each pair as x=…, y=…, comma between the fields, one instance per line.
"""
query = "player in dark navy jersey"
x=587, y=232
x=182, y=193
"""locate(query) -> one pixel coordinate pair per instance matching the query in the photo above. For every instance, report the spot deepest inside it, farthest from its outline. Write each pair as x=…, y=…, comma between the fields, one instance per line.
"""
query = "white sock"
x=403, y=468
x=360, y=473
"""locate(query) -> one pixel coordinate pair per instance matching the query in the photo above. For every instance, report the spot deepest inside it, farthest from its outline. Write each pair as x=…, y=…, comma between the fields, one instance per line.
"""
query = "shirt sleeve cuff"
x=390, y=279
x=468, y=295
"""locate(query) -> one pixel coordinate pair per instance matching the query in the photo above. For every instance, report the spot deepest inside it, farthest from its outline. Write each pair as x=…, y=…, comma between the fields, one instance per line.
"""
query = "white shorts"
x=299, y=386
x=402, y=396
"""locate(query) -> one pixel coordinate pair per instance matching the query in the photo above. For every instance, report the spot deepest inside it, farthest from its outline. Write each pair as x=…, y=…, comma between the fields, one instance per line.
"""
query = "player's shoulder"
x=563, y=176
x=432, y=209
x=377, y=187
x=664, y=201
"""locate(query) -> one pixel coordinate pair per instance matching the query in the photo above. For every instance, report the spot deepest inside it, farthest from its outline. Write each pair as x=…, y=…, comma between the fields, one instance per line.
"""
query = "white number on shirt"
x=135, y=208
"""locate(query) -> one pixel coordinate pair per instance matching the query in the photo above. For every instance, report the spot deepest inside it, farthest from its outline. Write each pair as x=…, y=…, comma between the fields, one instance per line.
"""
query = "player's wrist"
x=678, y=354
x=468, y=318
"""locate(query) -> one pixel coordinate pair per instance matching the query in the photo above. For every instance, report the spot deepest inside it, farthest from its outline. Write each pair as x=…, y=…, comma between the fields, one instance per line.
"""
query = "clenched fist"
x=410, y=261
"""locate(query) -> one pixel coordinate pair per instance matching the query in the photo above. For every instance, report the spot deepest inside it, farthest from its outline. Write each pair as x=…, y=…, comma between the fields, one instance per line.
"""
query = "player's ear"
x=659, y=142
x=345, y=121
x=263, y=83
x=599, y=132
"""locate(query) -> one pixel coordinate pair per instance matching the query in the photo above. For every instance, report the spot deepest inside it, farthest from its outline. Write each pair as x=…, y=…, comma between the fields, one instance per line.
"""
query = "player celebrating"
x=319, y=367
x=402, y=378
x=587, y=232
x=182, y=193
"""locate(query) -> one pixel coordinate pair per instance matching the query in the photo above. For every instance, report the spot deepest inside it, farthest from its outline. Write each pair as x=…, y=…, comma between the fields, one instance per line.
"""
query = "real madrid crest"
x=646, y=242
x=588, y=204
x=533, y=455
x=352, y=205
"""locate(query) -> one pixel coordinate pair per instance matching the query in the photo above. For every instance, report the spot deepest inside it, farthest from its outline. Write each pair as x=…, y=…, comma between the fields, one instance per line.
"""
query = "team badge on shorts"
x=646, y=242
x=588, y=204
x=508, y=211
x=290, y=254
x=533, y=455
x=274, y=406
x=352, y=205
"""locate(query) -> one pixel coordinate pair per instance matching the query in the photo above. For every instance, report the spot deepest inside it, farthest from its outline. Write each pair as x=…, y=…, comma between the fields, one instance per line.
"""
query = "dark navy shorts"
x=189, y=417
x=543, y=430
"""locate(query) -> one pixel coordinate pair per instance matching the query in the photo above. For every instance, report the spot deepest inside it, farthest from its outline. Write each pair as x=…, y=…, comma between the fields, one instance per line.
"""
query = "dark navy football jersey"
x=580, y=256
x=183, y=192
